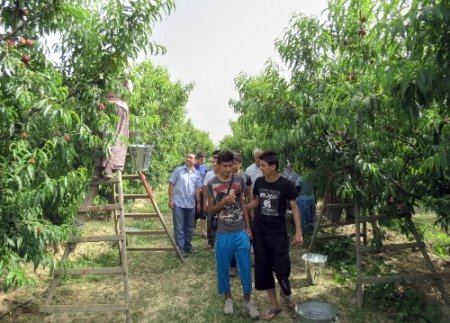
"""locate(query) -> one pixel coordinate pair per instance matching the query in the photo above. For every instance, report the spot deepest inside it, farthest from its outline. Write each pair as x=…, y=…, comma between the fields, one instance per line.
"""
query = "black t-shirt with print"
x=270, y=215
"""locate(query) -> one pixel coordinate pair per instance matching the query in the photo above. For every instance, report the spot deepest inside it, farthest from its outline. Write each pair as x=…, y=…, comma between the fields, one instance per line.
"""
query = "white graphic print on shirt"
x=269, y=201
x=232, y=212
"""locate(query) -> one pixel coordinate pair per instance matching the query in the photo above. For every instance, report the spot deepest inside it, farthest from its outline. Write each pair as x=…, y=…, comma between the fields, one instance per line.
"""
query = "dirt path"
x=163, y=289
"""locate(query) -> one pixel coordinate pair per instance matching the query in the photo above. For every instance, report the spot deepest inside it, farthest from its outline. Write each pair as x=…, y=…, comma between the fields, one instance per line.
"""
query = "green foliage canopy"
x=49, y=121
x=365, y=110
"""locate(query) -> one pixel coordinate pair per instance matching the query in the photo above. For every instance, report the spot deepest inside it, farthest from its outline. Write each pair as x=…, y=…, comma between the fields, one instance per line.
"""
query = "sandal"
x=288, y=299
x=271, y=314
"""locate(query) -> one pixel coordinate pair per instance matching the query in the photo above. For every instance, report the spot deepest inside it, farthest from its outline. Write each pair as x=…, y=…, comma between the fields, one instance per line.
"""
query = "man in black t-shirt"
x=272, y=193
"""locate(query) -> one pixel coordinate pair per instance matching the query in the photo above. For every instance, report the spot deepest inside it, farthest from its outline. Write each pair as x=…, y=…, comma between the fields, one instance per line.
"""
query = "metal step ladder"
x=117, y=207
x=146, y=215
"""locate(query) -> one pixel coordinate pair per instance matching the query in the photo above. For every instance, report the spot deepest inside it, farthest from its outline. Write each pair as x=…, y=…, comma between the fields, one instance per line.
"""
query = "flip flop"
x=288, y=299
x=271, y=314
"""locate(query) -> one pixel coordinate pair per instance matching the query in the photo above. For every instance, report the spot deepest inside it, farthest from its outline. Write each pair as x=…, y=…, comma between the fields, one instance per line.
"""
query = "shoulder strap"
x=229, y=187
x=231, y=183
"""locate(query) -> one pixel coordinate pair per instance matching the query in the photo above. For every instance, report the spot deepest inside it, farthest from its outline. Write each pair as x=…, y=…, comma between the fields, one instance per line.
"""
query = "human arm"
x=198, y=197
x=216, y=208
x=170, y=195
x=254, y=203
x=298, y=237
x=246, y=216
x=205, y=198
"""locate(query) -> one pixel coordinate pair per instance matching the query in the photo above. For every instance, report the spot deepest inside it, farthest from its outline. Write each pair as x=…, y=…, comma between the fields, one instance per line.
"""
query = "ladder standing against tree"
x=119, y=237
x=148, y=195
x=363, y=249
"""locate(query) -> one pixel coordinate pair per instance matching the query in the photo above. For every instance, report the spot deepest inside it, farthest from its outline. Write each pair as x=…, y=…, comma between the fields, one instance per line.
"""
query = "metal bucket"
x=315, y=312
x=140, y=156
x=314, y=264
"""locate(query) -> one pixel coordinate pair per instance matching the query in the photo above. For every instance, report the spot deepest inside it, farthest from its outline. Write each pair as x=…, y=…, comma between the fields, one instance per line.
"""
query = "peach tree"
x=365, y=107
x=56, y=59
x=162, y=118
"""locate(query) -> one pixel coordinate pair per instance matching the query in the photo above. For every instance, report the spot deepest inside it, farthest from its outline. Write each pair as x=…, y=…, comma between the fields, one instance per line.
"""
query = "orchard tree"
x=365, y=109
x=52, y=114
x=158, y=109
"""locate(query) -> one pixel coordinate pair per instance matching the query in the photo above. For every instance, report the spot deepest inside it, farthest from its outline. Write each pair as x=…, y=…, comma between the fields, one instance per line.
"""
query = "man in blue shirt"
x=200, y=216
x=184, y=188
x=306, y=203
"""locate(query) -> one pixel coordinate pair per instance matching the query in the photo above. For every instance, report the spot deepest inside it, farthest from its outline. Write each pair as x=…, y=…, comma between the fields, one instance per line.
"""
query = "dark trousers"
x=210, y=233
x=272, y=255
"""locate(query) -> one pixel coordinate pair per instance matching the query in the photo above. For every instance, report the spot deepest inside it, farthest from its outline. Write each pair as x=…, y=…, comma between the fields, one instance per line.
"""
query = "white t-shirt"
x=209, y=176
x=254, y=172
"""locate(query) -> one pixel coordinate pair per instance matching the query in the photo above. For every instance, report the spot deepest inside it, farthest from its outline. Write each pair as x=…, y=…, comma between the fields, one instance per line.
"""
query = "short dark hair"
x=237, y=157
x=216, y=152
x=225, y=156
x=271, y=158
x=200, y=154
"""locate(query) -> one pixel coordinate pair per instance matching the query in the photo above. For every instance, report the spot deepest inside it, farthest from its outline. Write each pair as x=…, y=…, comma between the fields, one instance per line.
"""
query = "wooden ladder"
x=157, y=214
x=118, y=208
x=432, y=275
x=363, y=248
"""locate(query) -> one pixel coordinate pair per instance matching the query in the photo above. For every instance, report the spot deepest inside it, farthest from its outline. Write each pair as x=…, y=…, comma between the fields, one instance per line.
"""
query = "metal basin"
x=315, y=312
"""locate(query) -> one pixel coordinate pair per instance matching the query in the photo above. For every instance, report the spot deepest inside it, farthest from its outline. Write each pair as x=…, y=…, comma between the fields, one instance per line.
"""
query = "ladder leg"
x=60, y=272
x=123, y=247
x=155, y=206
x=55, y=281
x=412, y=228
x=316, y=226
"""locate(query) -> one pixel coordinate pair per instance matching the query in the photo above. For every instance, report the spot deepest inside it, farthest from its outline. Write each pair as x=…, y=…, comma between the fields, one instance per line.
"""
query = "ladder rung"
x=150, y=249
x=397, y=278
x=136, y=133
x=93, y=308
x=397, y=246
x=98, y=208
x=135, y=196
x=130, y=176
x=115, y=237
x=338, y=224
x=141, y=215
x=145, y=232
x=371, y=218
x=339, y=205
x=100, y=181
x=93, y=271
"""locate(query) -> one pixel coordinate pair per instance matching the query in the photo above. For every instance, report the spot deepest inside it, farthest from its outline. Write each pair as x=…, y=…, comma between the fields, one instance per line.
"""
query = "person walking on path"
x=226, y=201
x=272, y=193
x=247, y=197
x=200, y=216
x=184, y=188
x=211, y=223
x=306, y=203
x=290, y=173
x=253, y=170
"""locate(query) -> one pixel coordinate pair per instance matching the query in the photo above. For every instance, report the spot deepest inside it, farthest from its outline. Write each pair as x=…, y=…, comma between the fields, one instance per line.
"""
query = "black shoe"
x=184, y=254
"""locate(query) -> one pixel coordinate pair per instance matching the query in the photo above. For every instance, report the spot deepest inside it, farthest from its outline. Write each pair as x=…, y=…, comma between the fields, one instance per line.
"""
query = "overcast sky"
x=209, y=42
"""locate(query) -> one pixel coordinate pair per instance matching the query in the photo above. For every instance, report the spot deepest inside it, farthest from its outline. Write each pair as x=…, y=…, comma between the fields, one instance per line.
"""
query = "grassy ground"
x=164, y=289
